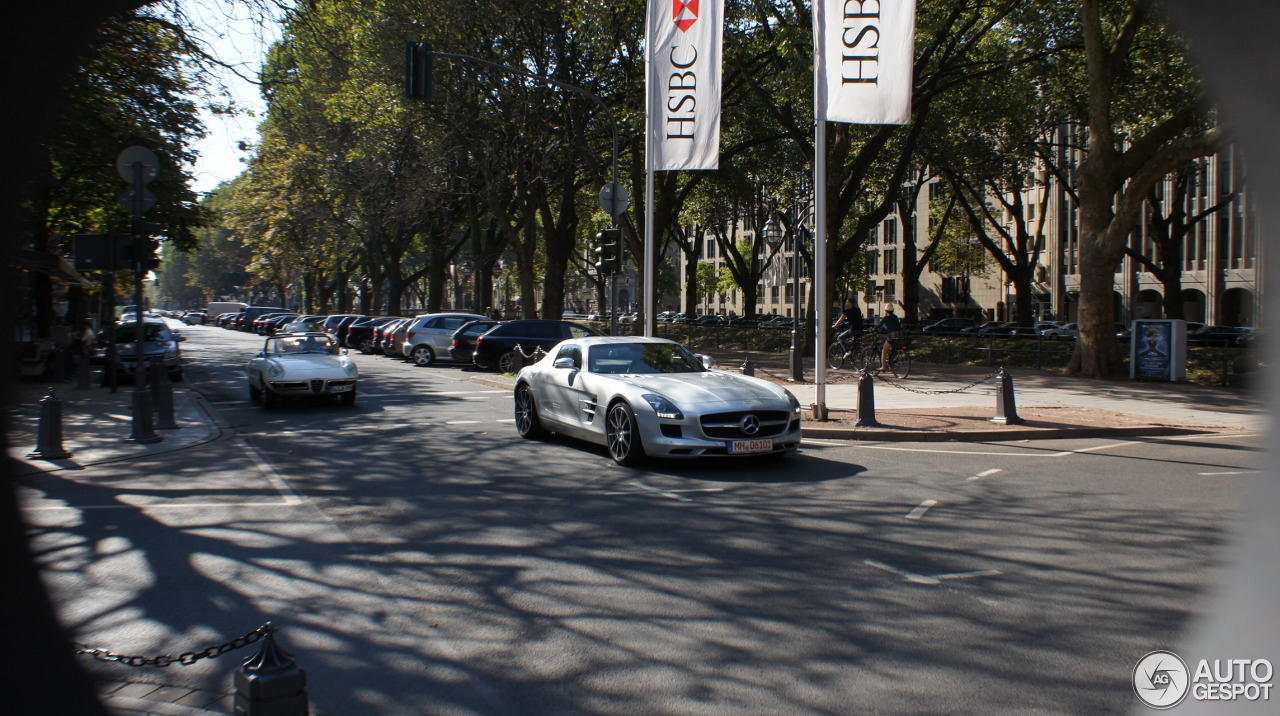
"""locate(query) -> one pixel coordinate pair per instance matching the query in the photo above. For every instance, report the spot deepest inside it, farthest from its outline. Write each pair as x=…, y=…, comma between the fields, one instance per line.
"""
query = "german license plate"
x=339, y=388
x=739, y=447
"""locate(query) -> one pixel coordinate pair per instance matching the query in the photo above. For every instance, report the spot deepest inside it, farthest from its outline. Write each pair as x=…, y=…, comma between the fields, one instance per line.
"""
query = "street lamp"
x=466, y=284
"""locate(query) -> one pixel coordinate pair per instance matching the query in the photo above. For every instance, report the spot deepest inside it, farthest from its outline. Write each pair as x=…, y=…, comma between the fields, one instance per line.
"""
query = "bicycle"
x=864, y=355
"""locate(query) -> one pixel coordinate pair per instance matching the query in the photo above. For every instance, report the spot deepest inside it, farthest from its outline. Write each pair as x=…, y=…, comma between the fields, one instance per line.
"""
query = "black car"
x=1215, y=336
x=360, y=333
x=497, y=347
x=951, y=326
x=333, y=324
x=463, y=341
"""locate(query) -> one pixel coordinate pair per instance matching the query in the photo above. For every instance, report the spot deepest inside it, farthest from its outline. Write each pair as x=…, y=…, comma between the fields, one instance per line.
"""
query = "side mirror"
x=179, y=338
x=565, y=363
x=707, y=361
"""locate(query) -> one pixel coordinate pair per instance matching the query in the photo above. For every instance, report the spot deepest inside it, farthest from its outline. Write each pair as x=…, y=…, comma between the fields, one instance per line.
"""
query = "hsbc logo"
x=684, y=13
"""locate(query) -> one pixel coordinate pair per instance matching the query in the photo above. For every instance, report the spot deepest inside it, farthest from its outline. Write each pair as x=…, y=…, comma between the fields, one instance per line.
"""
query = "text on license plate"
x=747, y=446
x=339, y=388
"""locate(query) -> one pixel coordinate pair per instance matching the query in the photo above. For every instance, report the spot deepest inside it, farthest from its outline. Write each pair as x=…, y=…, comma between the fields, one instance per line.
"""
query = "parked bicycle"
x=863, y=354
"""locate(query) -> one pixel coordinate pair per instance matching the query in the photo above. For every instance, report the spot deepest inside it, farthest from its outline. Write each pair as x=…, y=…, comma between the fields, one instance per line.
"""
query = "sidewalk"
x=96, y=424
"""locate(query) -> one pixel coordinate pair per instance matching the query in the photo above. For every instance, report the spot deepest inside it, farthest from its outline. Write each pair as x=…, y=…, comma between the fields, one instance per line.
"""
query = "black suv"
x=497, y=348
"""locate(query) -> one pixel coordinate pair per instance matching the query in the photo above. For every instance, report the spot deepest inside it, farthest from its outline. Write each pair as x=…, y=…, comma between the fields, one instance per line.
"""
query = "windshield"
x=303, y=344
x=151, y=332
x=643, y=358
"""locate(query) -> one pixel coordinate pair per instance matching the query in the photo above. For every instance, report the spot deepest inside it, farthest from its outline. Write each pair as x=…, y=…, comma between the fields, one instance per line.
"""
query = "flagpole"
x=650, y=261
x=821, y=306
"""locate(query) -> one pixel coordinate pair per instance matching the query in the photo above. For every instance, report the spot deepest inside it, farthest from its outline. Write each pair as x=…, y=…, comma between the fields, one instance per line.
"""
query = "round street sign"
x=139, y=200
x=137, y=155
x=614, y=199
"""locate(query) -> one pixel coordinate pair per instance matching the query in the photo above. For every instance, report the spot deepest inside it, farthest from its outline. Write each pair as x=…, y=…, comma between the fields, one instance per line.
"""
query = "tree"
x=1145, y=116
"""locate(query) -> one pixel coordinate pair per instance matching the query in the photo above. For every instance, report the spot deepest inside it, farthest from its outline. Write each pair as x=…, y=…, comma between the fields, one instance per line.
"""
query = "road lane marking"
x=983, y=474
x=930, y=580
x=920, y=509
x=1232, y=472
x=277, y=481
x=1065, y=453
x=673, y=494
x=461, y=422
x=824, y=443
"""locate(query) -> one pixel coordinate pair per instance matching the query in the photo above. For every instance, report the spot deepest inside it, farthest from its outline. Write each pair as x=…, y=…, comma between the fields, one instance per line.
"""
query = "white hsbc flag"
x=863, y=56
x=683, y=49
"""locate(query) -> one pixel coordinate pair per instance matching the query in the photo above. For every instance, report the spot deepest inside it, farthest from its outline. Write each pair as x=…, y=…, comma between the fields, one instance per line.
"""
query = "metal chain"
x=936, y=392
x=529, y=356
x=186, y=658
x=787, y=379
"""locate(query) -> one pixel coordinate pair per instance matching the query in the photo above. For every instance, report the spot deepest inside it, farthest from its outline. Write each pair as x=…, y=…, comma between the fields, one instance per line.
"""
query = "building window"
x=890, y=261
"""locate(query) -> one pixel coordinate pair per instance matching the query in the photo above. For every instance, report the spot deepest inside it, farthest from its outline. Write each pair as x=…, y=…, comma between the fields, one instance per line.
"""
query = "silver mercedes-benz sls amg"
x=651, y=397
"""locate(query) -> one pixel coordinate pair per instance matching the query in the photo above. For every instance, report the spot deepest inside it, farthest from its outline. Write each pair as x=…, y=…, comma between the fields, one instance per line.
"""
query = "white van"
x=217, y=308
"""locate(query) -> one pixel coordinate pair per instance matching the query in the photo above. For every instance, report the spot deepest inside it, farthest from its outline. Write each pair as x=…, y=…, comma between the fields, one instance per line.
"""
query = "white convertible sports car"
x=295, y=365
x=651, y=397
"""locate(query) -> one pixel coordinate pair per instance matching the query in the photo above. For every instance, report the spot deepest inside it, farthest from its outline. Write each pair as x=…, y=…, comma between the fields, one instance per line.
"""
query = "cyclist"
x=851, y=319
x=893, y=329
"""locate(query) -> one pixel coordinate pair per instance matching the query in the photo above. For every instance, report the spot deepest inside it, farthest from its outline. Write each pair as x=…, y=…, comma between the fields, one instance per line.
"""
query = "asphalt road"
x=420, y=558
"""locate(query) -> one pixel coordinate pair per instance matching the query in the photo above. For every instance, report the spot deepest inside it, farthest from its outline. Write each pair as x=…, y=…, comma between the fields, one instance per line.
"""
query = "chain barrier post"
x=270, y=682
x=162, y=393
x=748, y=368
x=1006, y=410
x=518, y=358
x=49, y=434
x=866, y=402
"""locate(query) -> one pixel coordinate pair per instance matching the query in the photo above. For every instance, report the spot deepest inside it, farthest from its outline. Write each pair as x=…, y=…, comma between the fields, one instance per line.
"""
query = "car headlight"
x=275, y=371
x=349, y=367
x=662, y=407
x=795, y=404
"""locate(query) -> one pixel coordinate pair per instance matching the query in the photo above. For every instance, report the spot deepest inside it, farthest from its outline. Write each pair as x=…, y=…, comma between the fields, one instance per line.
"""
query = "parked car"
x=382, y=335
x=159, y=344
x=462, y=344
x=296, y=365
x=427, y=337
x=1215, y=336
x=194, y=318
x=644, y=397
x=990, y=327
x=950, y=326
x=497, y=348
x=360, y=334
x=253, y=313
x=1064, y=332
x=302, y=324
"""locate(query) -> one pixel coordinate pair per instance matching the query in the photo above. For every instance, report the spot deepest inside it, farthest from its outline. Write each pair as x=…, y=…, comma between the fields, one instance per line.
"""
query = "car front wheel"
x=349, y=398
x=423, y=355
x=623, y=435
x=505, y=361
x=527, y=422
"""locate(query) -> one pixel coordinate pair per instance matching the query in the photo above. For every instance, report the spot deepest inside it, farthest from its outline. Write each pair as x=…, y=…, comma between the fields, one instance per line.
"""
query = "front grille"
x=729, y=426
x=317, y=386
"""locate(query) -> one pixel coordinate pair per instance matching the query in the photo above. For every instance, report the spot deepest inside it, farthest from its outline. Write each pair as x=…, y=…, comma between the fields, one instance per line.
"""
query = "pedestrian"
x=893, y=329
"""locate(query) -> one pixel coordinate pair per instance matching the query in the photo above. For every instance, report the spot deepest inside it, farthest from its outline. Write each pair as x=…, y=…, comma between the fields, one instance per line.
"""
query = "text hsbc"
x=860, y=38
x=682, y=84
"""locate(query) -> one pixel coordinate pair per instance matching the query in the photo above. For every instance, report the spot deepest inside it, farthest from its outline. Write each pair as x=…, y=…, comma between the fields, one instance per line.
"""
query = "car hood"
x=148, y=348
x=710, y=387
x=311, y=364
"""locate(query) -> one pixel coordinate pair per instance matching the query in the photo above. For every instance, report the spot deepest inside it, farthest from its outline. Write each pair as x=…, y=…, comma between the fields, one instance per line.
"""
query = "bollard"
x=84, y=372
x=142, y=429
x=1006, y=410
x=517, y=358
x=162, y=394
x=866, y=402
x=49, y=434
x=270, y=683
x=748, y=368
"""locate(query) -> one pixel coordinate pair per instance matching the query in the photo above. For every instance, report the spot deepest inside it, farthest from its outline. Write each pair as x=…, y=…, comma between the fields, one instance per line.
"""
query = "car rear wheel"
x=623, y=435
x=527, y=422
x=366, y=346
x=422, y=355
x=505, y=361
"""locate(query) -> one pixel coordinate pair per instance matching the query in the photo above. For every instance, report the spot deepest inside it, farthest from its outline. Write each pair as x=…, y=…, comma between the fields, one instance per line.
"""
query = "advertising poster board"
x=1158, y=350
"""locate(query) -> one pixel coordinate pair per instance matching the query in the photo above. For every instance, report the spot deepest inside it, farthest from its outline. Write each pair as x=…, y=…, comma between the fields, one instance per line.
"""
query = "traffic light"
x=598, y=251
x=145, y=249
x=612, y=253
x=417, y=71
